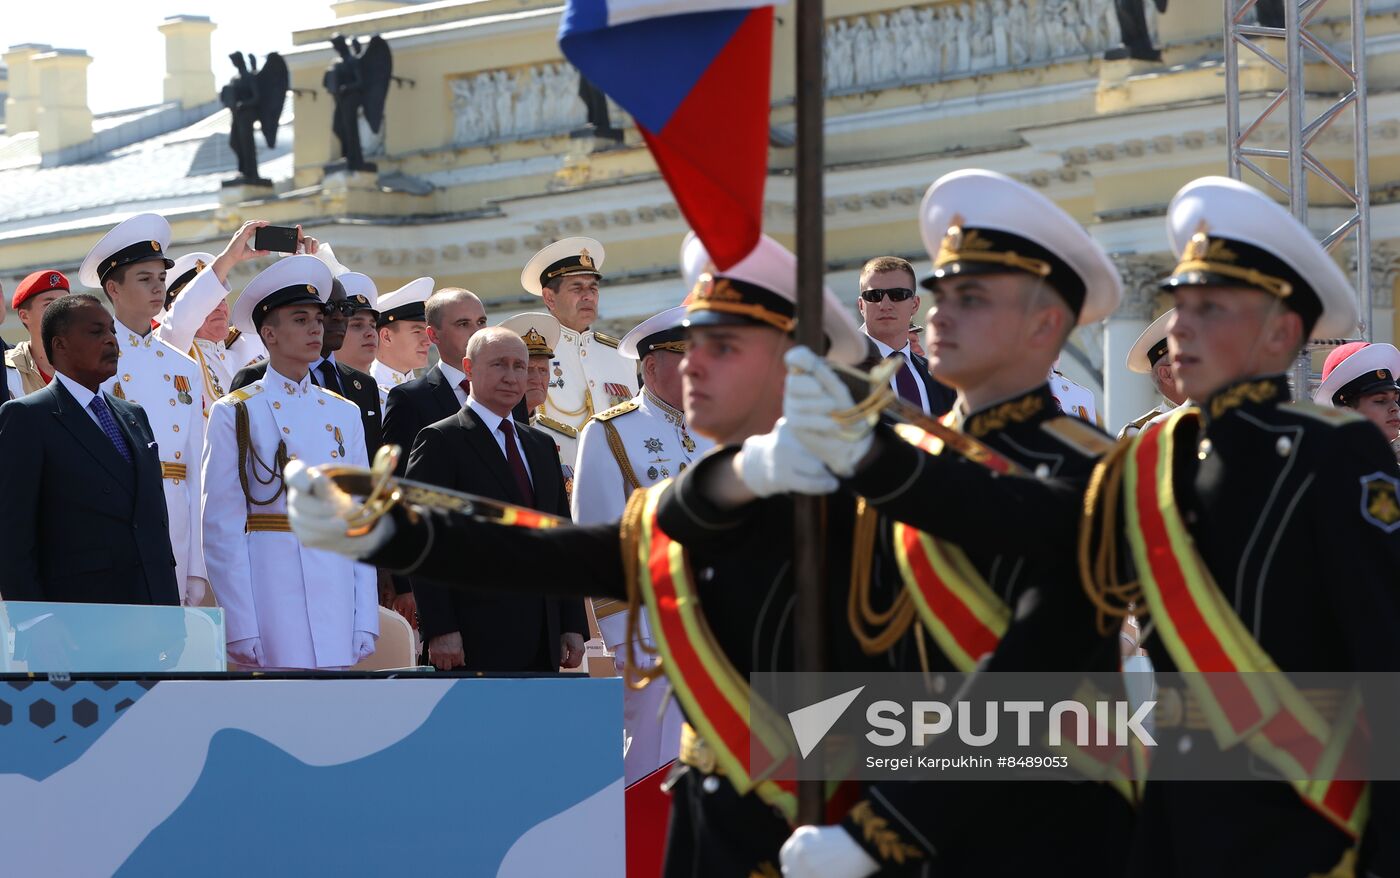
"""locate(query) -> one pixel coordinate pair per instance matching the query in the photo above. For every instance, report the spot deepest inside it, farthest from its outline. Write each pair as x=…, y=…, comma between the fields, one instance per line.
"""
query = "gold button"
x=172, y=402
x=160, y=353
x=175, y=427
x=320, y=402
x=126, y=377
x=286, y=429
x=329, y=428
x=291, y=457
x=332, y=454
x=177, y=455
x=167, y=377
x=277, y=405
x=175, y=481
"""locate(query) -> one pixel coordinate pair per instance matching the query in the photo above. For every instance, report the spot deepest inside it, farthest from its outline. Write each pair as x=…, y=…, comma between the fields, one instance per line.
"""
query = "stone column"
x=22, y=104
x=1127, y=394
x=189, y=69
x=64, y=118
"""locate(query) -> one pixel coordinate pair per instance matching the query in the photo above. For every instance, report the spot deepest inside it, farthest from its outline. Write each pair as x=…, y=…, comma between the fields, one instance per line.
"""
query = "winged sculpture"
x=358, y=81
x=254, y=96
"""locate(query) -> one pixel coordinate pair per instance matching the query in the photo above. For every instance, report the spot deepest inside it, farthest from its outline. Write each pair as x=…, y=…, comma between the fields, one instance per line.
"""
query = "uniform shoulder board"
x=608, y=340
x=619, y=409
x=1079, y=435
x=328, y=392
x=1324, y=413
x=232, y=337
x=561, y=429
x=245, y=393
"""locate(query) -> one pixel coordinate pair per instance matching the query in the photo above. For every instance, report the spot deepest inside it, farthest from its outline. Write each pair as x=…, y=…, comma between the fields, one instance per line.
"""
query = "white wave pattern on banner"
x=171, y=726
x=576, y=830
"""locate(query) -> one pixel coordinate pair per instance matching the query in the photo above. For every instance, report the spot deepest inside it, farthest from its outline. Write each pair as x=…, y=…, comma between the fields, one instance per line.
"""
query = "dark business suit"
x=93, y=528
x=355, y=386
x=500, y=631
x=941, y=397
x=414, y=405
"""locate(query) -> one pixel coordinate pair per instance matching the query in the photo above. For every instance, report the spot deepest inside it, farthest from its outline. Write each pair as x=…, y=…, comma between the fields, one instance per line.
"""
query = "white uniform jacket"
x=587, y=376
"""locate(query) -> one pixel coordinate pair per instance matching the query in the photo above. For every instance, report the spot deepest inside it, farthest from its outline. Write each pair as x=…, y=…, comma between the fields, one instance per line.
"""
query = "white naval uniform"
x=221, y=359
x=387, y=379
x=654, y=445
x=1074, y=399
x=586, y=376
x=166, y=383
x=1136, y=425
x=305, y=604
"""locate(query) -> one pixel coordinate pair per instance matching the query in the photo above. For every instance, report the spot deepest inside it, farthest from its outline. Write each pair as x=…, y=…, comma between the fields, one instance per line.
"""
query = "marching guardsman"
x=286, y=605
x=1148, y=356
x=403, y=336
x=631, y=446
x=1279, y=522
x=1362, y=376
x=986, y=549
x=588, y=373
x=129, y=265
x=724, y=820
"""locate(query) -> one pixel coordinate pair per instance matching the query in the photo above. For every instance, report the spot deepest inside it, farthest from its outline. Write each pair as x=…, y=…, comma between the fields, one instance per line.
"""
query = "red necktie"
x=517, y=463
x=904, y=381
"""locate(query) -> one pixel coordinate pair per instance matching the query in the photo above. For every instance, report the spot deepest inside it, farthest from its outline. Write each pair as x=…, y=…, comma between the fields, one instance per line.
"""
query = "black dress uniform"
x=1293, y=511
x=747, y=591
x=1037, y=827
x=1275, y=497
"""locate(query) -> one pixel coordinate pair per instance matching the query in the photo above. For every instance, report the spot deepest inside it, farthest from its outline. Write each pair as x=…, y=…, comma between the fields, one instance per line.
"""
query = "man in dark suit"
x=350, y=383
x=482, y=450
x=888, y=300
x=93, y=526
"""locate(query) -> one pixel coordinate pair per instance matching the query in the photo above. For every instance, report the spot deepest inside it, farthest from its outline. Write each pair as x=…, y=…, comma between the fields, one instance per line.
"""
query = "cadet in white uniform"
x=1148, y=357
x=403, y=336
x=286, y=606
x=588, y=373
x=629, y=446
x=129, y=265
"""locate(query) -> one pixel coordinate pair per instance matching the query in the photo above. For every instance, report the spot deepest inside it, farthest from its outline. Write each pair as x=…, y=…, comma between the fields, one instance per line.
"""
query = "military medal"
x=182, y=388
x=651, y=473
x=688, y=442
x=339, y=442
x=653, y=445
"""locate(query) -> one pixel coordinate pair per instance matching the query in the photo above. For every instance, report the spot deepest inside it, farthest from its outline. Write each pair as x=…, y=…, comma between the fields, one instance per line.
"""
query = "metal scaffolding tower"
x=1289, y=49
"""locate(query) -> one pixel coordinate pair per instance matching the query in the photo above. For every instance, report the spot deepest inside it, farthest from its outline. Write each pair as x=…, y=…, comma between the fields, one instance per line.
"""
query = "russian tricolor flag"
x=695, y=77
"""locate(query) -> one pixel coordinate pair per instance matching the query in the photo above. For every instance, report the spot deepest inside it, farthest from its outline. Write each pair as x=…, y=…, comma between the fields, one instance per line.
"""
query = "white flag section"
x=627, y=11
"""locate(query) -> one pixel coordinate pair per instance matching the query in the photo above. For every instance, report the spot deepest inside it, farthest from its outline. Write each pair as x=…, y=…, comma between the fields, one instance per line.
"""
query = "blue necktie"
x=109, y=425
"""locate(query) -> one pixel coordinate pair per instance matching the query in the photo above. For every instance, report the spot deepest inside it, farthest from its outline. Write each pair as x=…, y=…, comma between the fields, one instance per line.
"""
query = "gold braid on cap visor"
x=717, y=295
x=678, y=347
x=960, y=245
x=1203, y=254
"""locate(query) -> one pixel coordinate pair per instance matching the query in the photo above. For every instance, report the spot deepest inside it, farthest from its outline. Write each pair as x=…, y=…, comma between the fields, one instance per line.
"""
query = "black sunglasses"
x=346, y=308
x=896, y=294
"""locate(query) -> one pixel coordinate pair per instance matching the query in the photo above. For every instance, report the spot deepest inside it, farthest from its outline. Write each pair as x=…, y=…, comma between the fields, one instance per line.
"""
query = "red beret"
x=38, y=282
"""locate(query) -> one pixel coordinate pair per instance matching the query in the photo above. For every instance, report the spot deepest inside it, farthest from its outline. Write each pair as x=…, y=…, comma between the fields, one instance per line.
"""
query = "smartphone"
x=282, y=239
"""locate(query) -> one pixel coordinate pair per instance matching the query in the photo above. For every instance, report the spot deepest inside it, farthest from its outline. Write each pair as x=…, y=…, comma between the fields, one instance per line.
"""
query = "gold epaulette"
x=1079, y=435
x=232, y=337
x=608, y=340
x=244, y=394
x=329, y=392
x=1143, y=419
x=563, y=429
x=621, y=408
x=1325, y=413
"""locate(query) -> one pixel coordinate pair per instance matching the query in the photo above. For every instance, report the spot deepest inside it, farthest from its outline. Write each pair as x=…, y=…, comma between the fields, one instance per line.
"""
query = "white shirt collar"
x=80, y=393
x=454, y=376
x=886, y=350
x=488, y=417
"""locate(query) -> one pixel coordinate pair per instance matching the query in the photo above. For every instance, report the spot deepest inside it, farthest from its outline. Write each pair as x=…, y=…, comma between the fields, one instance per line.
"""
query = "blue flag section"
x=506, y=777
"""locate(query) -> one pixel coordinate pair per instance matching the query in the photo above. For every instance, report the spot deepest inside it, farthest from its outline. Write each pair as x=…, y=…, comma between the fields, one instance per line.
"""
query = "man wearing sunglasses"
x=887, y=302
x=327, y=372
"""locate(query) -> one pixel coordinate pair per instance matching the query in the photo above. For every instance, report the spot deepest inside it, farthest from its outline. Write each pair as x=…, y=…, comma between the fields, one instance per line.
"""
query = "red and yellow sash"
x=1203, y=634
x=735, y=724
x=960, y=611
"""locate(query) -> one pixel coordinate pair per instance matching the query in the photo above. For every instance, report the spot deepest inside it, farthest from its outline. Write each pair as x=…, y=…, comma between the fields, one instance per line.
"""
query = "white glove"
x=316, y=509
x=825, y=852
x=811, y=394
x=196, y=587
x=776, y=463
x=363, y=646
x=247, y=651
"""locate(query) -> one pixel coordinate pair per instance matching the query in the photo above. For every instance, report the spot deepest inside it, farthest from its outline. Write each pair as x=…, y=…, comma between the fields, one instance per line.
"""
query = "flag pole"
x=809, y=540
